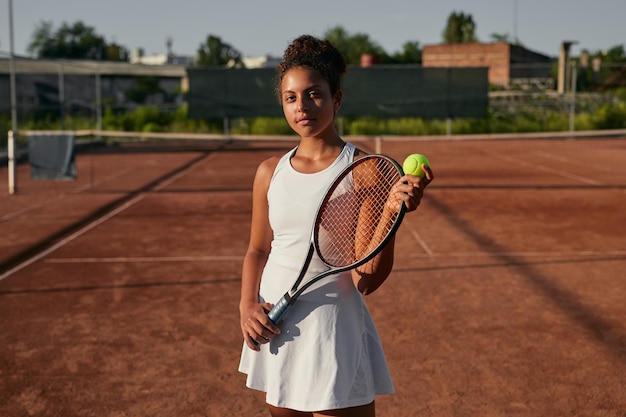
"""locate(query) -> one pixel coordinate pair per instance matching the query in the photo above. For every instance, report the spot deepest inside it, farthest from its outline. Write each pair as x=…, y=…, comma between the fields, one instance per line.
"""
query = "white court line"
x=180, y=174
x=552, y=156
x=523, y=254
x=74, y=191
x=572, y=161
x=27, y=209
x=96, y=222
x=427, y=250
x=131, y=259
x=102, y=181
x=71, y=237
x=421, y=242
x=547, y=169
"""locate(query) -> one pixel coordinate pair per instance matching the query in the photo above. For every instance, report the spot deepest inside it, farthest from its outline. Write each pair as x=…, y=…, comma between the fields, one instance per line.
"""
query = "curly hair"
x=319, y=55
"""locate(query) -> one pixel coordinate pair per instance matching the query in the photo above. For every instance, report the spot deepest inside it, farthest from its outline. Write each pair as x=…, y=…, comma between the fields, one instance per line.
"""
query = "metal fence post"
x=11, y=157
x=572, y=111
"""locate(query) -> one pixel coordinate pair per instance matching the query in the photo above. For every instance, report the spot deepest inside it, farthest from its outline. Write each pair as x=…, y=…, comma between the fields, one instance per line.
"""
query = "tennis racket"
x=357, y=217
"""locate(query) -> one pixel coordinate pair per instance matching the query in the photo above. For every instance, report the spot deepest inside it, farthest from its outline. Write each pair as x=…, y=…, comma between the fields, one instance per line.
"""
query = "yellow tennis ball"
x=413, y=164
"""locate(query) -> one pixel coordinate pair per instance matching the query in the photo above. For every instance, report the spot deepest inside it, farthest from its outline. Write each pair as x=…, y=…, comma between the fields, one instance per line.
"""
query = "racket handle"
x=280, y=308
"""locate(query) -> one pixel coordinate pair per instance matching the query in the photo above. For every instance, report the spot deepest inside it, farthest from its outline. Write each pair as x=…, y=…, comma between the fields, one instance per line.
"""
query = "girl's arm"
x=255, y=326
x=371, y=275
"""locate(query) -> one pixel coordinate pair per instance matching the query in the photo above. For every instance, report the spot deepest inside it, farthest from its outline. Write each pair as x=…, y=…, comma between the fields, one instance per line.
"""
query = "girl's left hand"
x=411, y=188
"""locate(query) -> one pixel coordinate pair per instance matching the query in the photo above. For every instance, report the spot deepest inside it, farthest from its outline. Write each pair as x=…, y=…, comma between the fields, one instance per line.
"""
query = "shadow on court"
x=119, y=291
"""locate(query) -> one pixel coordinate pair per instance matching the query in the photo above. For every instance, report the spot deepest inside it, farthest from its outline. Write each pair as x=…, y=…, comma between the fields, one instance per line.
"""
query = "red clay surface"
x=119, y=291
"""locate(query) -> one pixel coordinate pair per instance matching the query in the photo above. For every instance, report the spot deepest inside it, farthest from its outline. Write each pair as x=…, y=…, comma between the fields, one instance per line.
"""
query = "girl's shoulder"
x=265, y=171
x=268, y=166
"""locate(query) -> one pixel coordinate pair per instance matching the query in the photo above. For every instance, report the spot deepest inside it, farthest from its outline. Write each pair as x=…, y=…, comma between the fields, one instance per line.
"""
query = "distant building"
x=75, y=85
x=508, y=65
x=137, y=57
x=264, y=61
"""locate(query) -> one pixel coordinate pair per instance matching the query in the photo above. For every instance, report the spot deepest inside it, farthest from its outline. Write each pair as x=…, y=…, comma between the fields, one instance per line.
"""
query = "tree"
x=76, y=41
x=214, y=52
x=607, y=70
x=115, y=52
x=142, y=88
x=42, y=42
x=506, y=38
x=410, y=54
x=460, y=29
x=353, y=46
x=501, y=37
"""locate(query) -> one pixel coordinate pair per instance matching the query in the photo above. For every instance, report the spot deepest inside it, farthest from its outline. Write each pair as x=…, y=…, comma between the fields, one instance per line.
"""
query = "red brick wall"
x=495, y=56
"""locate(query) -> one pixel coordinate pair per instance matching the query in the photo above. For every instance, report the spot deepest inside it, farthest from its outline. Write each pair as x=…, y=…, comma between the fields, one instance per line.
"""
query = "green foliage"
x=410, y=54
x=614, y=54
x=371, y=126
x=501, y=37
x=148, y=119
x=610, y=117
x=352, y=46
x=270, y=126
x=620, y=94
x=471, y=126
x=115, y=52
x=5, y=126
x=110, y=121
x=154, y=119
x=142, y=88
x=365, y=126
x=214, y=52
x=460, y=28
x=75, y=41
x=603, y=70
x=142, y=119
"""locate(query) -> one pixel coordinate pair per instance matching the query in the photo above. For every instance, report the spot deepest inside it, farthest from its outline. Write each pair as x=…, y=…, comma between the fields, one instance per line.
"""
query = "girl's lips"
x=304, y=121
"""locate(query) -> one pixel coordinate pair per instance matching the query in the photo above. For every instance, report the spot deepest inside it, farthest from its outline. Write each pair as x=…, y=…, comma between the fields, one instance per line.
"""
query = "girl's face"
x=308, y=104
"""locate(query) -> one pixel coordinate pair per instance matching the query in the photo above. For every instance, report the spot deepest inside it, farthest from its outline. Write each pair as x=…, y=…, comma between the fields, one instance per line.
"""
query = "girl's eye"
x=314, y=94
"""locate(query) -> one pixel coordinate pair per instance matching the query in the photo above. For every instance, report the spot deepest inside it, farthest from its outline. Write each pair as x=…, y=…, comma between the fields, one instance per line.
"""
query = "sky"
x=265, y=27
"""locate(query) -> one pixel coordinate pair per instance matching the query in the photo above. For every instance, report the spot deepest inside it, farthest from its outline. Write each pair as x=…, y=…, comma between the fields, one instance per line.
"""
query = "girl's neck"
x=316, y=154
x=316, y=148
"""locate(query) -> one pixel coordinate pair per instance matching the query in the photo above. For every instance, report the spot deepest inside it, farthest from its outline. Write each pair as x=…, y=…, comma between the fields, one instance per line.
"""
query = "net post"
x=11, y=161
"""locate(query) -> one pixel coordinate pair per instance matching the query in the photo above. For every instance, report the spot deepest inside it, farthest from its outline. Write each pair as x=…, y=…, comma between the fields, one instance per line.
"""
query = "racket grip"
x=280, y=308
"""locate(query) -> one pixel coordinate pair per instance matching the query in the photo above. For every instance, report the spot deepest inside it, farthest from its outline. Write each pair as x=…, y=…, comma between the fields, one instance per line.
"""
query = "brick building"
x=508, y=65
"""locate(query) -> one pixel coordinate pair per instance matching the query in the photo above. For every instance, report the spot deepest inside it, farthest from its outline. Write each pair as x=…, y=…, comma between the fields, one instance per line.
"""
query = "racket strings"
x=359, y=214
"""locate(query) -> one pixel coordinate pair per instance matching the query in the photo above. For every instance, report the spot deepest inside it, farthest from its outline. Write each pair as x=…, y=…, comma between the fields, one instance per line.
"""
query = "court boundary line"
x=134, y=259
x=429, y=254
x=101, y=181
x=41, y=249
x=26, y=209
x=72, y=236
x=421, y=241
x=562, y=173
x=179, y=175
x=75, y=191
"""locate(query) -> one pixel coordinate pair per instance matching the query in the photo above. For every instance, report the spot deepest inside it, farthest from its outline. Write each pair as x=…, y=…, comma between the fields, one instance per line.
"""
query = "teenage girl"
x=325, y=358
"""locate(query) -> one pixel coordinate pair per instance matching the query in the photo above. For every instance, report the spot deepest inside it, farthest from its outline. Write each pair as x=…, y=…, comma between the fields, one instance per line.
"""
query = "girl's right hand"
x=256, y=327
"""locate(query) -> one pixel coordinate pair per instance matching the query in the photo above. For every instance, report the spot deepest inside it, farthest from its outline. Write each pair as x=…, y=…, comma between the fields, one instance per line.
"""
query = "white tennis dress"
x=328, y=355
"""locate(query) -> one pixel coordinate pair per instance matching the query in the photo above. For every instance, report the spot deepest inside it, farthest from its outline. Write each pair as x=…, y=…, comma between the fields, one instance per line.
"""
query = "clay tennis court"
x=119, y=291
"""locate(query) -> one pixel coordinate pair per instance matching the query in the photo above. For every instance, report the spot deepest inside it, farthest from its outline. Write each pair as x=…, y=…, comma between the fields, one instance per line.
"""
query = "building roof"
x=67, y=66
